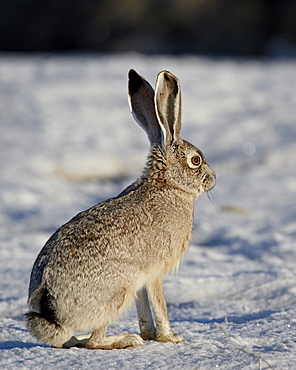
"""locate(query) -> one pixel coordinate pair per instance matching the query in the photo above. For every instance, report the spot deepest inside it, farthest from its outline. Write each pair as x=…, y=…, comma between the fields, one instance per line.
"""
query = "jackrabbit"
x=95, y=266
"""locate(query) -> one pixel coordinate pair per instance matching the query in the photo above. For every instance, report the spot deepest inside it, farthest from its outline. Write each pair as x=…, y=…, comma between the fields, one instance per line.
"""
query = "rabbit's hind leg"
x=117, y=306
x=98, y=340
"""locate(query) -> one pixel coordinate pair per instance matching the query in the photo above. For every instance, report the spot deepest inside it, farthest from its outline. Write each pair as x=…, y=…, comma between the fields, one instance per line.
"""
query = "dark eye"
x=195, y=160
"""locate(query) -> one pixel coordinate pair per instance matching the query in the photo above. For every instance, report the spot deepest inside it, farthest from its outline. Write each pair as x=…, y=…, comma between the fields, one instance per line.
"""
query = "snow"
x=68, y=141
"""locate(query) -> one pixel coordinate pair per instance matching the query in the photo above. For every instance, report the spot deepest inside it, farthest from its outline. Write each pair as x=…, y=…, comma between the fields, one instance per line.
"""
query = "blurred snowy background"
x=68, y=141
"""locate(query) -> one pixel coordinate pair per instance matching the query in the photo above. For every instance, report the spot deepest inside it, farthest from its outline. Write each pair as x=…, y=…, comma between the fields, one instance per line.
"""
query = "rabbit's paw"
x=118, y=341
x=172, y=337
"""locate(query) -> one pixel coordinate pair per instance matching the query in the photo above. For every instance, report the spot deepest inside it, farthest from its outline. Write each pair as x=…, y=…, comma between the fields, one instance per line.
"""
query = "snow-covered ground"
x=67, y=141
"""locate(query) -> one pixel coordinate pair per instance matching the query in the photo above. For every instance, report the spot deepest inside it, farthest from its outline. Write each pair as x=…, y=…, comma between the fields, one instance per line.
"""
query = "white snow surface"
x=68, y=141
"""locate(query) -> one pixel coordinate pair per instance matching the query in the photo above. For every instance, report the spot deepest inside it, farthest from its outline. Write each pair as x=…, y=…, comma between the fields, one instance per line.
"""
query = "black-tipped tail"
x=47, y=332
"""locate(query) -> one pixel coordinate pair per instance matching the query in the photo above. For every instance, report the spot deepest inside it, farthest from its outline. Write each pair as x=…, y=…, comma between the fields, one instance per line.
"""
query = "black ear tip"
x=167, y=75
x=171, y=79
x=134, y=81
x=132, y=72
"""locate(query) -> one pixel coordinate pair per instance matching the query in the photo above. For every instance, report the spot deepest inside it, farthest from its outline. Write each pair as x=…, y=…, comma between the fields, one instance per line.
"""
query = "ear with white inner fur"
x=168, y=106
x=141, y=101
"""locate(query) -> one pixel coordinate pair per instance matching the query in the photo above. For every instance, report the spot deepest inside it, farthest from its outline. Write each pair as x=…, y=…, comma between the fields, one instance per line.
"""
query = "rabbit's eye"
x=196, y=160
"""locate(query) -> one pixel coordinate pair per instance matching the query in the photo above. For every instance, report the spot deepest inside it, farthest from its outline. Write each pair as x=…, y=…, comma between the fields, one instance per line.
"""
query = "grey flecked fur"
x=95, y=266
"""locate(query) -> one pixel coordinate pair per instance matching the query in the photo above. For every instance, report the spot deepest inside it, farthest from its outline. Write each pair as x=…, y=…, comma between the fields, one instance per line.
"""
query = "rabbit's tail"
x=46, y=331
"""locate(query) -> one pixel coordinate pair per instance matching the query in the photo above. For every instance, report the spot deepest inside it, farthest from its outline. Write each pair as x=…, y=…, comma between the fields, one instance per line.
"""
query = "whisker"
x=211, y=198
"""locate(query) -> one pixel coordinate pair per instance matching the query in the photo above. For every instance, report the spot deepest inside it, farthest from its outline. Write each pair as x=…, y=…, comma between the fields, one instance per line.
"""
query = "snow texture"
x=68, y=141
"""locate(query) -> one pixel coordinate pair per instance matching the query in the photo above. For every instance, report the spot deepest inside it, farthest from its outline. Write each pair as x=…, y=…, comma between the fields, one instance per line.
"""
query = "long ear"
x=141, y=101
x=168, y=106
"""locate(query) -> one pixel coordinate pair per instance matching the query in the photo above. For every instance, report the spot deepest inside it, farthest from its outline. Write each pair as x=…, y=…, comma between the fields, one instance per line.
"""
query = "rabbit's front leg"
x=164, y=331
x=145, y=317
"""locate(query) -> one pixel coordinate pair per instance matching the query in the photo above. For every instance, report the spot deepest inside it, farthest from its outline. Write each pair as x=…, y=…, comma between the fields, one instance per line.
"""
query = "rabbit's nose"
x=209, y=181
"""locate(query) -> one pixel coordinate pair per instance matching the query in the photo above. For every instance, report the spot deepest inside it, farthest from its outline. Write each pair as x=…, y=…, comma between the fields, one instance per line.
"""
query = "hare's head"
x=173, y=161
